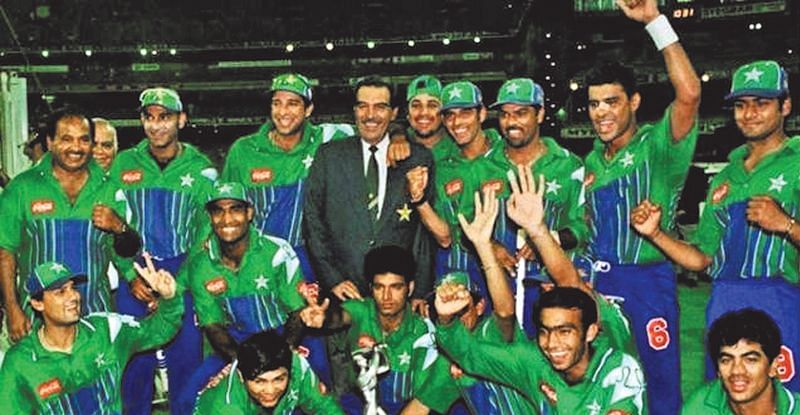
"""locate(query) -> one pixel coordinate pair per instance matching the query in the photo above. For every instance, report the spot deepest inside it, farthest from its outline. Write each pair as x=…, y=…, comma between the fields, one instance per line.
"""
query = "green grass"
x=692, y=302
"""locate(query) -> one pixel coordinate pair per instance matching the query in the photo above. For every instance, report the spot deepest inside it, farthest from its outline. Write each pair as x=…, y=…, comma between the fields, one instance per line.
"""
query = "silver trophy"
x=371, y=361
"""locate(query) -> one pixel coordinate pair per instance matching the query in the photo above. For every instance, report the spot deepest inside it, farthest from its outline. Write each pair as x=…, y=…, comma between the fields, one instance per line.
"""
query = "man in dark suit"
x=355, y=202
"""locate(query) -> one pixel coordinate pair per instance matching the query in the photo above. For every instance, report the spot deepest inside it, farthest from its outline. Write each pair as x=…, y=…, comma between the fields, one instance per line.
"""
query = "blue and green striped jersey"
x=167, y=206
x=411, y=350
x=87, y=380
x=304, y=392
x=40, y=224
x=256, y=297
x=651, y=166
x=739, y=248
x=274, y=178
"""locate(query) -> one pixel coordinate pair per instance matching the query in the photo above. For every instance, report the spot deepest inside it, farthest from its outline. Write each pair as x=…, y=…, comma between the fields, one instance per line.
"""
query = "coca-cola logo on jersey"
x=262, y=175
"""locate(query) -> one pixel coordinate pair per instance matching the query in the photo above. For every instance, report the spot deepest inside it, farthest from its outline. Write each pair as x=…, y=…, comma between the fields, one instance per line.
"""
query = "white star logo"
x=100, y=360
x=753, y=75
x=404, y=213
x=187, y=180
x=552, y=187
x=627, y=159
x=292, y=395
x=307, y=161
x=405, y=358
x=261, y=282
x=455, y=93
x=58, y=267
x=777, y=183
x=594, y=408
x=225, y=188
x=512, y=88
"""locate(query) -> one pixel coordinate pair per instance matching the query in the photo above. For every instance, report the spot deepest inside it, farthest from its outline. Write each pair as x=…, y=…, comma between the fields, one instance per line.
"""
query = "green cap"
x=461, y=94
x=424, y=84
x=459, y=278
x=292, y=82
x=228, y=190
x=521, y=91
x=764, y=79
x=165, y=97
x=49, y=276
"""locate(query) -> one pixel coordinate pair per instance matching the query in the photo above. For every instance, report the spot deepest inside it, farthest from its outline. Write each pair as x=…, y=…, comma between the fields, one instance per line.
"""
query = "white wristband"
x=661, y=31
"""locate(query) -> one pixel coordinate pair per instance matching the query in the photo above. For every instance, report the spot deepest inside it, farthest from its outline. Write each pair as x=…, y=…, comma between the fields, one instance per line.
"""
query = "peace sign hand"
x=161, y=281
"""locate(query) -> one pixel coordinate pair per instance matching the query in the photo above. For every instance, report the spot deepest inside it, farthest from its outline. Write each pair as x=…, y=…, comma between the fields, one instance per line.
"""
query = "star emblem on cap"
x=777, y=183
x=290, y=79
x=627, y=159
x=58, y=267
x=552, y=187
x=512, y=88
x=753, y=75
x=261, y=282
x=454, y=93
x=405, y=358
x=404, y=213
x=187, y=180
x=307, y=161
x=225, y=188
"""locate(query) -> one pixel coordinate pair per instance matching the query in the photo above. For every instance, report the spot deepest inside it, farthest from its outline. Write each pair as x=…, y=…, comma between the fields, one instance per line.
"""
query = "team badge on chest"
x=217, y=286
x=131, y=176
x=50, y=388
x=43, y=207
x=261, y=175
x=720, y=193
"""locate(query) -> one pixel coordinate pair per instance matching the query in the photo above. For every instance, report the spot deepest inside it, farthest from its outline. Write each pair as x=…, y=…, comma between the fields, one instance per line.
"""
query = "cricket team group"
x=407, y=265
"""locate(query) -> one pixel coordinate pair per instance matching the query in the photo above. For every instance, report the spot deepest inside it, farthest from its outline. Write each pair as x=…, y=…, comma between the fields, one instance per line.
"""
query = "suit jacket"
x=336, y=224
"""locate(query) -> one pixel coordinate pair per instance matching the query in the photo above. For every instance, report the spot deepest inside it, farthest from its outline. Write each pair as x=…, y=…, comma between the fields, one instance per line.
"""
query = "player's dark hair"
x=376, y=82
x=263, y=352
x=389, y=258
x=52, y=121
x=745, y=324
x=613, y=73
x=568, y=298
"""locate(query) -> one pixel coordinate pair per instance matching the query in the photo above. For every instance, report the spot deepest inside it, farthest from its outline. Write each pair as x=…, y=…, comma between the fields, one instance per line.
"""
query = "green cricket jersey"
x=86, y=381
x=614, y=379
x=167, y=206
x=741, y=249
x=443, y=149
x=40, y=224
x=712, y=399
x=230, y=396
x=652, y=166
x=274, y=178
x=411, y=350
x=481, y=396
x=257, y=297
x=458, y=179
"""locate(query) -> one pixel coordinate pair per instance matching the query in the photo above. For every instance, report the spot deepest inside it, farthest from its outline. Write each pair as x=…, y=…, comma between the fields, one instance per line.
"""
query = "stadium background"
x=101, y=54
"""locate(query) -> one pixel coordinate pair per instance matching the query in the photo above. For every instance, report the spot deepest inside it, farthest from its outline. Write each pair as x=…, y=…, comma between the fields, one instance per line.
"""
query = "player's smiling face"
x=60, y=306
x=268, y=388
x=161, y=125
x=564, y=341
x=612, y=111
x=230, y=219
x=288, y=111
x=464, y=124
x=71, y=148
x=390, y=292
x=105, y=148
x=746, y=372
x=759, y=118
x=424, y=116
x=520, y=123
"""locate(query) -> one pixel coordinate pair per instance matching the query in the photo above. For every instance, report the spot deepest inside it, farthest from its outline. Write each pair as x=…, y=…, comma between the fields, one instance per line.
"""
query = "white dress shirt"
x=380, y=156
